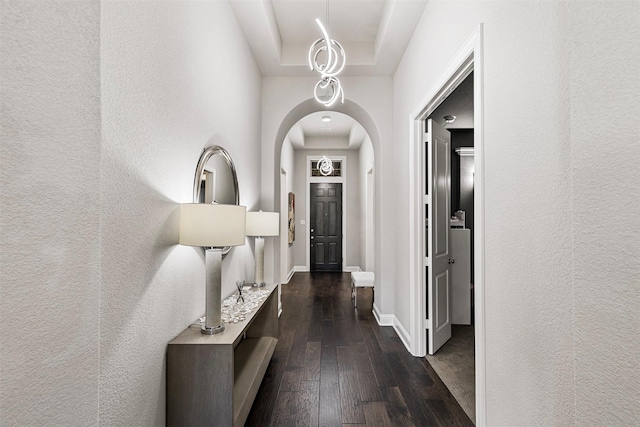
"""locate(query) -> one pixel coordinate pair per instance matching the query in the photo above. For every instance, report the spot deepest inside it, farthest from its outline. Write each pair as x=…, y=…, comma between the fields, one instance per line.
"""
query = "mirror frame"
x=207, y=153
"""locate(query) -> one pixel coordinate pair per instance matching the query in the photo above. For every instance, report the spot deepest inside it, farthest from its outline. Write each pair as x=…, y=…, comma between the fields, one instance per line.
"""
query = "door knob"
x=452, y=261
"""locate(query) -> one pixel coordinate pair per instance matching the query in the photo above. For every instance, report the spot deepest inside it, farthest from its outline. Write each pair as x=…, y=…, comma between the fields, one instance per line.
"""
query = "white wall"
x=561, y=318
x=284, y=95
x=49, y=213
x=287, y=164
x=605, y=187
x=93, y=282
x=367, y=236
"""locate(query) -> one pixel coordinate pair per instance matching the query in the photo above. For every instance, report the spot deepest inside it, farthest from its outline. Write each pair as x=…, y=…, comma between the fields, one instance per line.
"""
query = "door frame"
x=326, y=179
x=469, y=58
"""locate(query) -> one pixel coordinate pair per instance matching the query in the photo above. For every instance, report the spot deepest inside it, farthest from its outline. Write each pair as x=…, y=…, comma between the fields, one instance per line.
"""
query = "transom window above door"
x=337, y=168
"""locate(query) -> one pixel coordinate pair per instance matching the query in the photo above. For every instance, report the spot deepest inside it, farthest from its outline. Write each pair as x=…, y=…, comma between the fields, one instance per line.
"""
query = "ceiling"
x=459, y=104
x=342, y=132
x=374, y=33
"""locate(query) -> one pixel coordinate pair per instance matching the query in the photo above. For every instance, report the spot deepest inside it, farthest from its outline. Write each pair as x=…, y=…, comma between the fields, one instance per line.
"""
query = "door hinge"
x=427, y=324
x=427, y=199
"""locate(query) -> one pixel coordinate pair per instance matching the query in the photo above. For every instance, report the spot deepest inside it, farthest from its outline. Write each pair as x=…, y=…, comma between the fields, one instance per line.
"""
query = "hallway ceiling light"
x=325, y=166
x=449, y=119
x=328, y=89
x=326, y=119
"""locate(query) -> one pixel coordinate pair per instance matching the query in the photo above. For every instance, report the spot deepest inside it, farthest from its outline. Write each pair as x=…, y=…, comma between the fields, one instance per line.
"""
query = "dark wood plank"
x=335, y=366
x=383, y=372
x=330, y=413
x=396, y=407
x=312, y=361
x=350, y=400
x=368, y=385
x=292, y=378
x=376, y=414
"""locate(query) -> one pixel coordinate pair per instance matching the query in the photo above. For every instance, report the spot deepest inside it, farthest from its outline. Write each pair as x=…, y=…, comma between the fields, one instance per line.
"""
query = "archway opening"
x=346, y=243
x=357, y=113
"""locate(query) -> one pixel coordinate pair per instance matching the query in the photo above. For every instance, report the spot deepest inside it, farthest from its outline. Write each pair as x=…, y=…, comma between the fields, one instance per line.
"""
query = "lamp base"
x=212, y=330
x=258, y=285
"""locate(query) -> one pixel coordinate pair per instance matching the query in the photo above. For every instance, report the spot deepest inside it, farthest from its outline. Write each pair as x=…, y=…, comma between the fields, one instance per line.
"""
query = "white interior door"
x=438, y=259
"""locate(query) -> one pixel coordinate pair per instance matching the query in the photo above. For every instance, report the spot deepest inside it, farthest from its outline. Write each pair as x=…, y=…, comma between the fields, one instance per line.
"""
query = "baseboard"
x=402, y=333
x=300, y=268
x=392, y=320
x=290, y=275
x=382, y=319
x=352, y=268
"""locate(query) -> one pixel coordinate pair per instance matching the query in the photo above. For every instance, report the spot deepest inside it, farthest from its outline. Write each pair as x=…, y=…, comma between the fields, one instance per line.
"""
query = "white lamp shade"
x=212, y=225
x=263, y=224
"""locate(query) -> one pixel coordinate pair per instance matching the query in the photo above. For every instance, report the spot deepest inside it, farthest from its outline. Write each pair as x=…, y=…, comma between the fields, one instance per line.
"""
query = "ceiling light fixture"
x=326, y=119
x=449, y=119
x=328, y=89
x=325, y=166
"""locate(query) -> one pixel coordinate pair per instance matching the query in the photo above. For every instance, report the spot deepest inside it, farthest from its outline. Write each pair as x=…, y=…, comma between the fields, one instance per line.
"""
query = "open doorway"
x=432, y=206
x=341, y=140
x=452, y=125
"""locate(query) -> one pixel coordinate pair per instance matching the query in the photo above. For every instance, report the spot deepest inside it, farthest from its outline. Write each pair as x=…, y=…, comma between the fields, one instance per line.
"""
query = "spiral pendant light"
x=325, y=166
x=328, y=89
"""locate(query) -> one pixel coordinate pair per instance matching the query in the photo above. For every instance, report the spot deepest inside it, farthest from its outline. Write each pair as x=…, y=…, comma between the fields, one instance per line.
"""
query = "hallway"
x=334, y=365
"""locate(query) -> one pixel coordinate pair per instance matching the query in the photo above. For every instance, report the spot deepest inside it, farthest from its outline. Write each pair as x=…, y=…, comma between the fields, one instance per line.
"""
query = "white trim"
x=402, y=333
x=469, y=58
x=351, y=269
x=382, y=319
x=342, y=179
x=284, y=225
x=290, y=275
x=300, y=268
x=393, y=321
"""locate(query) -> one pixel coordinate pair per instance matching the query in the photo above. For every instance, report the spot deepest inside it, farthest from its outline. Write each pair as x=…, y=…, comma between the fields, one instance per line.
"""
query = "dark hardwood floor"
x=334, y=366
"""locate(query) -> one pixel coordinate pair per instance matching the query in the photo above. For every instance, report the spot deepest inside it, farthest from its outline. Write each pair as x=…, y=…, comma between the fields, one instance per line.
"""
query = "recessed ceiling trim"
x=281, y=52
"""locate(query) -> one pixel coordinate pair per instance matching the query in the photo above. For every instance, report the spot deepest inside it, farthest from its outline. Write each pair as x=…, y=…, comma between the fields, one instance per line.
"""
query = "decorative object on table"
x=234, y=311
x=292, y=218
x=262, y=224
x=327, y=57
x=216, y=227
x=240, y=285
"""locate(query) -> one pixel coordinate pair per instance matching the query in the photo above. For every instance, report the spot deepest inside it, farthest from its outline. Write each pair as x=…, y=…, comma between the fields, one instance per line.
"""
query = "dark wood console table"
x=212, y=380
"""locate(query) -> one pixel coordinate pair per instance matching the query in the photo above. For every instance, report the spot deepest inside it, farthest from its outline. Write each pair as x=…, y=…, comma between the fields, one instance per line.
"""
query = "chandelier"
x=325, y=166
x=327, y=57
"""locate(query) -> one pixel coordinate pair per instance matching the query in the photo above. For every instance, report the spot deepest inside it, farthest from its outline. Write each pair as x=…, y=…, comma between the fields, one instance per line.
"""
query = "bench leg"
x=354, y=294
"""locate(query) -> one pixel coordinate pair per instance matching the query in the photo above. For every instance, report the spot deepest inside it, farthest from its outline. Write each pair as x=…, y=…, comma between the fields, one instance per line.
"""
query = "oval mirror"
x=215, y=180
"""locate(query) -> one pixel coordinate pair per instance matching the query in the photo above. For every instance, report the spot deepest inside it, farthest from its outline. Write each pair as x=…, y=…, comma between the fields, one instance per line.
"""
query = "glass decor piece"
x=236, y=310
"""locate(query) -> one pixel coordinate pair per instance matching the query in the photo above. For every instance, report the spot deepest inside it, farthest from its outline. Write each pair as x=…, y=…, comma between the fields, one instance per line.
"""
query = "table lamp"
x=212, y=227
x=261, y=224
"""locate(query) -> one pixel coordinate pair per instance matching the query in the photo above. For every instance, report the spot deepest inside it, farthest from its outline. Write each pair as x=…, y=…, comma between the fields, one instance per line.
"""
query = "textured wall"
x=176, y=77
x=49, y=212
x=605, y=184
x=93, y=283
x=528, y=242
x=560, y=145
x=366, y=162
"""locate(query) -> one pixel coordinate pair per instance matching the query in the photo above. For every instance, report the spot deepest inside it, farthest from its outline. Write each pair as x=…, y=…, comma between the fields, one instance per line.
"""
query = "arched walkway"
x=303, y=109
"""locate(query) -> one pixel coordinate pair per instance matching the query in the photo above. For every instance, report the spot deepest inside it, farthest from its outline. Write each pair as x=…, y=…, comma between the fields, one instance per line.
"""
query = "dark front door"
x=326, y=227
